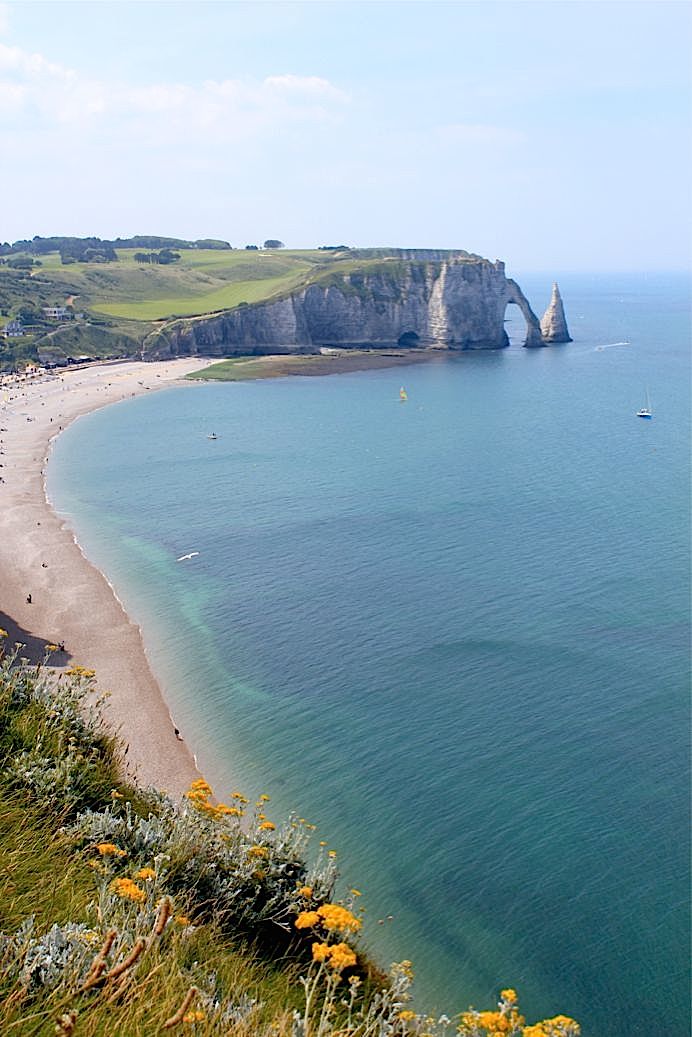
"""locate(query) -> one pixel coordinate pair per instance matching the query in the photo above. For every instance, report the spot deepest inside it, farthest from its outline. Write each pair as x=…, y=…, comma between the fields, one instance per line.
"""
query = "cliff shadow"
x=34, y=646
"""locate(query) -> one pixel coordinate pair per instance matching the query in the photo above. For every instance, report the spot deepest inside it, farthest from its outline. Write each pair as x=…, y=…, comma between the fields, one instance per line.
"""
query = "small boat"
x=212, y=435
x=645, y=412
x=403, y=395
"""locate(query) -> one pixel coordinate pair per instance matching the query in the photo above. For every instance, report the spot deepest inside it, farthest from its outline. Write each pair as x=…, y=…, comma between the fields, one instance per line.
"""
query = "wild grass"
x=125, y=914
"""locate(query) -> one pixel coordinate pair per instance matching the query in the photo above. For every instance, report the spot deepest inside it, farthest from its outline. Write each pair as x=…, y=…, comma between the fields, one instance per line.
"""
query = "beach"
x=72, y=603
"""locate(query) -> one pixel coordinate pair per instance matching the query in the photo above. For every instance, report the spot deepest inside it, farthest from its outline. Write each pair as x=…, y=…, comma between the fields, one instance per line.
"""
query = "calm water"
x=453, y=633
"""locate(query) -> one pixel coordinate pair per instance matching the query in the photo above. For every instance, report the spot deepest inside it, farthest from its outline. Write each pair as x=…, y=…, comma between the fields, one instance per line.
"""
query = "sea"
x=452, y=632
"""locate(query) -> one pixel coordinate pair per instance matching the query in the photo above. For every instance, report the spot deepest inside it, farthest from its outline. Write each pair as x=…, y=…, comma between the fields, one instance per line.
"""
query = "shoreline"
x=72, y=601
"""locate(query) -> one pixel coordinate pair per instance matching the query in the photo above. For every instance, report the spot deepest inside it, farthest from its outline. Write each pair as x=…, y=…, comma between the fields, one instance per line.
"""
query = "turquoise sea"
x=451, y=632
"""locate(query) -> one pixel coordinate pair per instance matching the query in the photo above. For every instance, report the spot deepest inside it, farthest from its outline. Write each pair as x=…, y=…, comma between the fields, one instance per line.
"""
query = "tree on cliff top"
x=273, y=243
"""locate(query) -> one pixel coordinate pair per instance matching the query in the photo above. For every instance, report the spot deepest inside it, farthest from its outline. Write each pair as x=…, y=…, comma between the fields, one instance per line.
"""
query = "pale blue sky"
x=554, y=135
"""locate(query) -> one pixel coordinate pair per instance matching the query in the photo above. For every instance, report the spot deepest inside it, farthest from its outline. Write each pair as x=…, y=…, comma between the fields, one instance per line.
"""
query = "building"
x=13, y=329
x=56, y=312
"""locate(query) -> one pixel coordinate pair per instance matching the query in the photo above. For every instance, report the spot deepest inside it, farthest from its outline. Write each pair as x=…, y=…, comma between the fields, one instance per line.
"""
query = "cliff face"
x=455, y=303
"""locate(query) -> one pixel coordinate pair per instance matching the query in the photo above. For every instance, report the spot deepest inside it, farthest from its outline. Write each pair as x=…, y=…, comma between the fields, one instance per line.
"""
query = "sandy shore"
x=71, y=601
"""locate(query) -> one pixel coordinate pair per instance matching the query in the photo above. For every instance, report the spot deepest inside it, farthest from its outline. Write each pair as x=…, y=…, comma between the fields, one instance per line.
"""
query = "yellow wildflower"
x=332, y=854
x=182, y=920
x=258, y=851
x=306, y=920
x=239, y=796
x=265, y=798
x=341, y=956
x=509, y=995
x=110, y=850
x=115, y=794
x=336, y=917
x=305, y=891
x=126, y=889
x=322, y=842
x=3, y=633
x=146, y=873
x=80, y=671
x=195, y=1016
x=407, y=1014
x=52, y=648
x=268, y=826
x=259, y=875
x=356, y=893
x=320, y=951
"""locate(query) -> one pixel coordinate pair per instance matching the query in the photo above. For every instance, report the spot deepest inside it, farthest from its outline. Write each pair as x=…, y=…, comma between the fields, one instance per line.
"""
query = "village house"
x=56, y=312
x=13, y=329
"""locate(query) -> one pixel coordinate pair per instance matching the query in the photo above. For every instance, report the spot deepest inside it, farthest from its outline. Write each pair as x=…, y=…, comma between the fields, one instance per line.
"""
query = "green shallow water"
x=452, y=632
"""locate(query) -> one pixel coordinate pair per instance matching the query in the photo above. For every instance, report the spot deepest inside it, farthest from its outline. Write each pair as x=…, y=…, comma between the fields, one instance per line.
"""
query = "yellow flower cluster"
x=331, y=916
x=51, y=648
x=3, y=634
x=406, y=1014
x=306, y=920
x=126, y=889
x=507, y=1022
x=558, y=1026
x=305, y=891
x=337, y=955
x=268, y=826
x=80, y=671
x=199, y=795
x=336, y=917
x=146, y=873
x=110, y=850
x=258, y=851
x=195, y=1016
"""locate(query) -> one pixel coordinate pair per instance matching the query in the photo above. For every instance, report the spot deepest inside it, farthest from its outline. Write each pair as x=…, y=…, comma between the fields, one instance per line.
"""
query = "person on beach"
x=28, y=599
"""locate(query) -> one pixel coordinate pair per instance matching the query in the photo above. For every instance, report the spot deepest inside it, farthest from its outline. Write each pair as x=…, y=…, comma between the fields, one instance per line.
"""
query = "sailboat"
x=646, y=412
x=403, y=395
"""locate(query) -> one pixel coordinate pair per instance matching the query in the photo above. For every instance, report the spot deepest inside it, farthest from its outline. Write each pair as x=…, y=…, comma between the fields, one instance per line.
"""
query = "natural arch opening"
x=409, y=338
x=516, y=328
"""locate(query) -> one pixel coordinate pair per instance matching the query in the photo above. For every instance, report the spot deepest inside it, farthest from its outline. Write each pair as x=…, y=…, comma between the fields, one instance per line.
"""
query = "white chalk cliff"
x=402, y=298
x=554, y=323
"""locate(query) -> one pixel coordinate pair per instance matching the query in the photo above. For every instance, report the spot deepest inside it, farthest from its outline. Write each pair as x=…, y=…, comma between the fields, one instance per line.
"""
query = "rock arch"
x=515, y=295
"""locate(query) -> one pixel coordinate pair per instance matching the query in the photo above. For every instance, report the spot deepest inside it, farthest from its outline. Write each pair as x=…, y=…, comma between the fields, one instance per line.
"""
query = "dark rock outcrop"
x=415, y=299
x=554, y=323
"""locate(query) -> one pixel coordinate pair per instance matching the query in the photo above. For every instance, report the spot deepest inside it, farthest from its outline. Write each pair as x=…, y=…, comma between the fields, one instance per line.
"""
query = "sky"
x=554, y=135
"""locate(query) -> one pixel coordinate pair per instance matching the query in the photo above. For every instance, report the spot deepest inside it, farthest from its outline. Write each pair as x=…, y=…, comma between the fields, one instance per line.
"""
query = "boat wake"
x=610, y=345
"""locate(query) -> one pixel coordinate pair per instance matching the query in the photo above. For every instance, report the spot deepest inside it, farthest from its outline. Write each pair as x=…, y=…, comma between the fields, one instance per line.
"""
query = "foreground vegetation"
x=123, y=914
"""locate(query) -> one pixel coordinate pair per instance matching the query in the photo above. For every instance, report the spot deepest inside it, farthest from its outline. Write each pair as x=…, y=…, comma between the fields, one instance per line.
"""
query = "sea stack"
x=554, y=325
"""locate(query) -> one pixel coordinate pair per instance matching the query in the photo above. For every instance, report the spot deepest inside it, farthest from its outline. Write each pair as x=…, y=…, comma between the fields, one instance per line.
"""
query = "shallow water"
x=452, y=632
